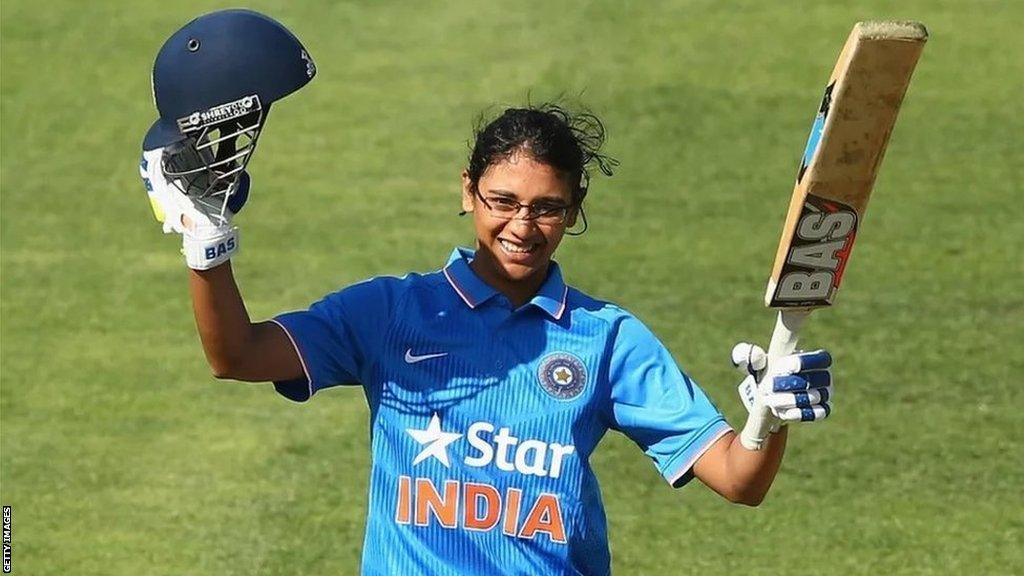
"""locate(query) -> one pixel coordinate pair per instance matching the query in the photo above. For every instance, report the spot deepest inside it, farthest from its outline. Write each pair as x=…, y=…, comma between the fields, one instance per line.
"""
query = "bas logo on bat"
x=818, y=254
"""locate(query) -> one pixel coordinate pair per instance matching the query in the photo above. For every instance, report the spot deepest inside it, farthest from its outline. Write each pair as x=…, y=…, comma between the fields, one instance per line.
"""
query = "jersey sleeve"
x=658, y=406
x=337, y=338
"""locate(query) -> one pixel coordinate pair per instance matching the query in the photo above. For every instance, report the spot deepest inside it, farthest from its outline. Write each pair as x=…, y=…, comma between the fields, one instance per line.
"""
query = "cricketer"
x=490, y=382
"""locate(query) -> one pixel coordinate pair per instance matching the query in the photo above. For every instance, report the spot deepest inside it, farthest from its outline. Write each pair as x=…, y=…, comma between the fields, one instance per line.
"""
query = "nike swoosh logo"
x=411, y=359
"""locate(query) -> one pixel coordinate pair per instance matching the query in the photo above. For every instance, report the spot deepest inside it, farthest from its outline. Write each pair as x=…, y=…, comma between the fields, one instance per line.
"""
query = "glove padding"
x=795, y=388
x=208, y=236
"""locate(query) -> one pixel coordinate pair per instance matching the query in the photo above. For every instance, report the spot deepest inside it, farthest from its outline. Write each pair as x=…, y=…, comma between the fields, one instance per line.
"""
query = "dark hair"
x=551, y=135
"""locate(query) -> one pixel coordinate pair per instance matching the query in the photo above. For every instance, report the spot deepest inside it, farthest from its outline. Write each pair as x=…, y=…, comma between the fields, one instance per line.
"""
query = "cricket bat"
x=837, y=172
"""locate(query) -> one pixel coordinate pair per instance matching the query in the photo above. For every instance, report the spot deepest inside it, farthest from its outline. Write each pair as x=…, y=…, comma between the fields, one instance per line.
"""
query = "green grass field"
x=121, y=455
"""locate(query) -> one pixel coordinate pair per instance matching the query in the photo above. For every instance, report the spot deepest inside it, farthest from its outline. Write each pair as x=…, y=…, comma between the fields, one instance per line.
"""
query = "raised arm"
x=213, y=83
x=235, y=347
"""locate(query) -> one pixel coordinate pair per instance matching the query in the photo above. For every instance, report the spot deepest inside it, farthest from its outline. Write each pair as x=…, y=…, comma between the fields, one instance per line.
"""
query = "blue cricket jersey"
x=484, y=417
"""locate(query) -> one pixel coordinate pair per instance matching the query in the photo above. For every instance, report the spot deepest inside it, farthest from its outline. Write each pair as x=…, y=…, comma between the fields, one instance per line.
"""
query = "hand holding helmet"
x=213, y=83
x=208, y=236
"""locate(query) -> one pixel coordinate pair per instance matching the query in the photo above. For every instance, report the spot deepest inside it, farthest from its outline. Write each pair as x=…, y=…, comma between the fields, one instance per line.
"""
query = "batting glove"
x=794, y=388
x=208, y=236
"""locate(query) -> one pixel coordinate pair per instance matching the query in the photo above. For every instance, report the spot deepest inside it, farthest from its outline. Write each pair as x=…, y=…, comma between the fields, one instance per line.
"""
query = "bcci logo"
x=562, y=375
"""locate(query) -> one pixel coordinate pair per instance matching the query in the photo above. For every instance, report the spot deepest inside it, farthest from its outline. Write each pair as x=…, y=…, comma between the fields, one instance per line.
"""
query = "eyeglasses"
x=543, y=212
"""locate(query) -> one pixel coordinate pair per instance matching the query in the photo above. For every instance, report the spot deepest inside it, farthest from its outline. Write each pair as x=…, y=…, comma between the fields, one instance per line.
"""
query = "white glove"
x=794, y=388
x=208, y=236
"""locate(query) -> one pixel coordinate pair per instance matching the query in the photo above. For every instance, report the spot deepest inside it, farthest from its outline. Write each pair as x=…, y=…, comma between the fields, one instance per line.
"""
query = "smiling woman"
x=490, y=382
x=534, y=159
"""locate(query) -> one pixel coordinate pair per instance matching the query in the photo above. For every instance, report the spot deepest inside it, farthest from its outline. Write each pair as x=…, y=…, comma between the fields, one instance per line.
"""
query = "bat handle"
x=783, y=342
x=786, y=334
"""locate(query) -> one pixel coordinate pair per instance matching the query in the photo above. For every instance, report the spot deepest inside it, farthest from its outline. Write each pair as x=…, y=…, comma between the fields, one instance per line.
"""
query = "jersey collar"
x=551, y=297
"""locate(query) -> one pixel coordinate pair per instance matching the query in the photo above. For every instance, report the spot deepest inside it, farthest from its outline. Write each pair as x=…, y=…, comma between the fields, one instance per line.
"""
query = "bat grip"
x=786, y=334
x=783, y=342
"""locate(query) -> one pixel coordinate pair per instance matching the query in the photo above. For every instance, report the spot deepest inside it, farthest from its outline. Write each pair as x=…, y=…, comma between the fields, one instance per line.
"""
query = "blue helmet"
x=213, y=83
x=221, y=58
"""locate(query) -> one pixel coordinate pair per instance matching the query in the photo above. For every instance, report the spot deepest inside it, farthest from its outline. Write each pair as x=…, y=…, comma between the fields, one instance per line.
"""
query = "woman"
x=490, y=382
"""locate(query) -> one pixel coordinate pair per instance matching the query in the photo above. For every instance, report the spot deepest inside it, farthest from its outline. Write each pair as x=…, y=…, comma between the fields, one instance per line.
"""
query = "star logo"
x=434, y=441
x=563, y=375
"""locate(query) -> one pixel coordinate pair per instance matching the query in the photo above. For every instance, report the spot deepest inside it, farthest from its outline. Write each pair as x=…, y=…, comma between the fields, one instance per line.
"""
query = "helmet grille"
x=206, y=165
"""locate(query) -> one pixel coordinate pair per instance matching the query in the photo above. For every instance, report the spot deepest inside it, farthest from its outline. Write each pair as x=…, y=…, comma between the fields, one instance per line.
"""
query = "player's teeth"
x=508, y=246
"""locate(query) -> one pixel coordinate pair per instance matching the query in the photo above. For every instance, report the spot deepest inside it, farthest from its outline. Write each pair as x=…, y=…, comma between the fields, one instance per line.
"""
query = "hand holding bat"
x=793, y=388
x=833, y=185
